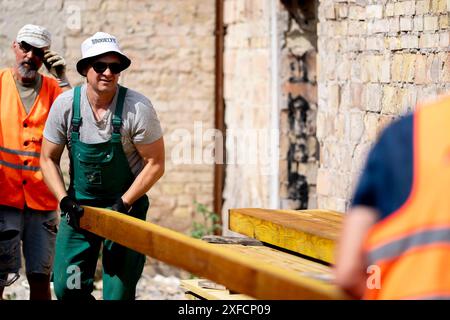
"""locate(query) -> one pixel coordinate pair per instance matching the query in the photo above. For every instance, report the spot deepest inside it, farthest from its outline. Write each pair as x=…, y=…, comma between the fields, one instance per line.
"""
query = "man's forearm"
x=53, y=177
x=350, y=268
x=143, y=182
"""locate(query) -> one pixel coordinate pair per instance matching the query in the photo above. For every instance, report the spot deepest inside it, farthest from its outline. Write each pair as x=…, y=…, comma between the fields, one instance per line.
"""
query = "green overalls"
x=100, y=174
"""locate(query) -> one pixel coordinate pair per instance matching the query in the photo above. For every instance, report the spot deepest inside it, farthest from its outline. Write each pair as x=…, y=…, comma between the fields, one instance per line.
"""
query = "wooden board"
x=235, y=271
x=289, y=262
x=283, y=260
x=309, y=232
x=192, y=285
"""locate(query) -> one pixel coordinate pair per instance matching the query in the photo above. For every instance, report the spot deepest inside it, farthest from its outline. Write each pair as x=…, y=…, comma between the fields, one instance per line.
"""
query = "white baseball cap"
x=34, y=35
x=100, y=43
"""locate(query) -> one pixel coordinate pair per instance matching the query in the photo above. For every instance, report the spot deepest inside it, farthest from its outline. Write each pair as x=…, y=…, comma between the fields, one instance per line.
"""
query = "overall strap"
x=76, y=118
x=117, y=117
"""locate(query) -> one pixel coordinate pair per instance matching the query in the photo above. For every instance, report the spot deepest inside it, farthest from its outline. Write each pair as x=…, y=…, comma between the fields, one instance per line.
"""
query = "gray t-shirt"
x=28, y=93
x=140, y=124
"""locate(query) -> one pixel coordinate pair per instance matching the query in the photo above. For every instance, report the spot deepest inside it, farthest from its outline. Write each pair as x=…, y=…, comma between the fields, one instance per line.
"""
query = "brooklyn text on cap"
x=100, y=43
x=34, y=35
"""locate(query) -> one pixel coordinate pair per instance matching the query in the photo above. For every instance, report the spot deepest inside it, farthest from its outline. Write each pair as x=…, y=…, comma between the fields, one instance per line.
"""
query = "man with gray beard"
x=27, y=208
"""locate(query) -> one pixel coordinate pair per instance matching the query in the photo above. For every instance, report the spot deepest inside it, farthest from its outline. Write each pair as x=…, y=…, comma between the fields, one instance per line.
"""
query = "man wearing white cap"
x=27, y=207
x=116, y=151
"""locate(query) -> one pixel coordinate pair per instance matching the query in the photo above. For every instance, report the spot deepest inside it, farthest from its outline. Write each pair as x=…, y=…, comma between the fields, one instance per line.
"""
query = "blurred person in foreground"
x=395, y=242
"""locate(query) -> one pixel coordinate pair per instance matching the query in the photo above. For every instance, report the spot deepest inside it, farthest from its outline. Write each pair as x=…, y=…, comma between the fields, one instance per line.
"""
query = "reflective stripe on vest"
x=21, y=178
x=22, y=153
x=19, y=167
x=398, y=247
x=411, y=246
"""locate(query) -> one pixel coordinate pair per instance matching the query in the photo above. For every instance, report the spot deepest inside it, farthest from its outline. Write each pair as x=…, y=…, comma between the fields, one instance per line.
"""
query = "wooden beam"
x=233, y=270
x=310, y=232
x=192, y=285
x=283, y=260
x=264, y=254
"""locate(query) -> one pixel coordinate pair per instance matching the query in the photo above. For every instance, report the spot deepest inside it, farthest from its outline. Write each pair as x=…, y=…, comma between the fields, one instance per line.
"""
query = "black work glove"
x=72, y=210
x=120, y=206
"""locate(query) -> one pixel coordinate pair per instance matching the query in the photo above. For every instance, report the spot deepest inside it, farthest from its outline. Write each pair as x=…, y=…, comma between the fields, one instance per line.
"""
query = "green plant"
x=209, y=224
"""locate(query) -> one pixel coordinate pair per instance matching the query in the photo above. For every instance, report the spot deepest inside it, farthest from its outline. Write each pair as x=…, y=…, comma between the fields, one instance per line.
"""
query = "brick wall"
x=376, y=60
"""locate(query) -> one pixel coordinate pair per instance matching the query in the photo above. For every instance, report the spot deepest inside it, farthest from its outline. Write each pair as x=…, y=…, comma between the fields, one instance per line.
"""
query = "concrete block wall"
x=376, y=60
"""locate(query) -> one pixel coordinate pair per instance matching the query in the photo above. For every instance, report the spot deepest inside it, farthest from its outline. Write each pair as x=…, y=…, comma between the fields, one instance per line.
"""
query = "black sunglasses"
x=101, y=67
x=25, y=47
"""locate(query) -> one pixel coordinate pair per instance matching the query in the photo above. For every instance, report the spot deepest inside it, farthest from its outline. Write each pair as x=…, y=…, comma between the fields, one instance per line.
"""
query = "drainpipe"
x=219, y=168
x=274, y=200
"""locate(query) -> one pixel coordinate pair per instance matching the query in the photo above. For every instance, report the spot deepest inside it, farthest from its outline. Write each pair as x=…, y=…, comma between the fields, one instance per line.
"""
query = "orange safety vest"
x=21, y=180
x=411, y=247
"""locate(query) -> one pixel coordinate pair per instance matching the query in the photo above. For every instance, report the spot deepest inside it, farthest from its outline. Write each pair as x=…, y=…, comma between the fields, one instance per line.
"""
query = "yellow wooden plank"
x=192, y=285
x=309, y=232
x=262, y=254
x=324, y=223
x=237, y=272
x=281, y=259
